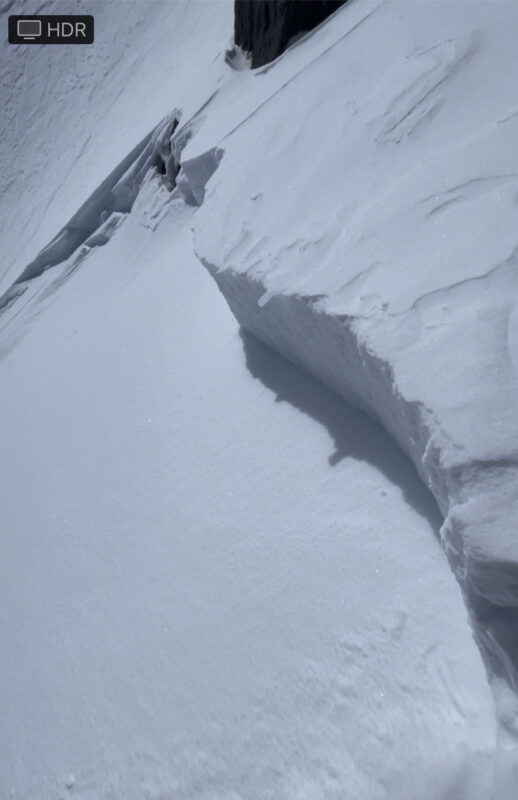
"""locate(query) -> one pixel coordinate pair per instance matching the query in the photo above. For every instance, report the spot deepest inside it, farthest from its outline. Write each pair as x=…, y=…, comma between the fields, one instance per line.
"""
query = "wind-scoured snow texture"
x=217, y=581
x=371, y=235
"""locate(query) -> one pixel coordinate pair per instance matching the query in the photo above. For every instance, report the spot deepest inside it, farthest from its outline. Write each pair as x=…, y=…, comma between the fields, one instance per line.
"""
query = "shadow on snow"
x=354, y=434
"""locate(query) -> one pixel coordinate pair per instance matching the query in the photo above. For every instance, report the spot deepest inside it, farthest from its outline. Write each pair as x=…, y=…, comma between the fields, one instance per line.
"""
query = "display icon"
x=28, y=29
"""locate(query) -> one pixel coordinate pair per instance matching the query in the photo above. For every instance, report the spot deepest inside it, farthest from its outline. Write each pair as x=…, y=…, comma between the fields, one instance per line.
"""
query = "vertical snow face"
x=194, y=174
x=227, y=583
x=371, y=237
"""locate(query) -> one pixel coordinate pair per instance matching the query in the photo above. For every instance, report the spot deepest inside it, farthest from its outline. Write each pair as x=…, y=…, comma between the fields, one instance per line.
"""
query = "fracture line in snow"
x=331, y=348
x=327, y=346
x=97, y=219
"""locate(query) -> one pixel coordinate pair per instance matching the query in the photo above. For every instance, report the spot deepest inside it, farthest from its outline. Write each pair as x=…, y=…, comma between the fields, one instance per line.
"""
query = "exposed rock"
x=264, y=28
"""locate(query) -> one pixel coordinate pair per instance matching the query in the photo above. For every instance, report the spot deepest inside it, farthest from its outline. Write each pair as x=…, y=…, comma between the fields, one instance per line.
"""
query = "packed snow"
x=372, y=239
x=222, y=577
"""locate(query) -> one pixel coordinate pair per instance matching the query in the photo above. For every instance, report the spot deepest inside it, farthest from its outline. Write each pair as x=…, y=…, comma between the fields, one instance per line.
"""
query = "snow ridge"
x=331, y=348
x=97, y=219
x=337, y=348
x=373, y=243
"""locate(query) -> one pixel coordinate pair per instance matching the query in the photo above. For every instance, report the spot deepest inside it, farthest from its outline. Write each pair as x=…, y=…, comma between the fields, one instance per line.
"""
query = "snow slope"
x=218, y=580
x=70, y=115
x=372, y=239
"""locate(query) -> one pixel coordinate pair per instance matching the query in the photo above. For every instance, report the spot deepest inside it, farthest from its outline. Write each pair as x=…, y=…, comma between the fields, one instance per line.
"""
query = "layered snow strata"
x=372, y=238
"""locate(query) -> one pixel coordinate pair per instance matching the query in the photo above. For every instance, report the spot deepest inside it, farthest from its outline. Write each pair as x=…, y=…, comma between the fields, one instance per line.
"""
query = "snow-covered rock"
x=265, y=28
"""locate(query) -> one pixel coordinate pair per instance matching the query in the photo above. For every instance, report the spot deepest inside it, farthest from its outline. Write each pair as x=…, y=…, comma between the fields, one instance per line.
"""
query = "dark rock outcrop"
x=265, y=27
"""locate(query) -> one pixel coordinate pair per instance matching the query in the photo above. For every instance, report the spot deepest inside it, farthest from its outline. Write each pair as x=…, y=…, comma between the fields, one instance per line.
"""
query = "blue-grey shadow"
x=354, y=434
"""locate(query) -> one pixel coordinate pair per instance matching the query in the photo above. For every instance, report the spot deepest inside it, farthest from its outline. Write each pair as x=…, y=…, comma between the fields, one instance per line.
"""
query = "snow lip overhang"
x=331, y=348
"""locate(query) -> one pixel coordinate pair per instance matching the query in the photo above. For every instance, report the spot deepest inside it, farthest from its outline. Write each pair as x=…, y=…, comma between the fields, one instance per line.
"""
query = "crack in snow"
x=96, y=220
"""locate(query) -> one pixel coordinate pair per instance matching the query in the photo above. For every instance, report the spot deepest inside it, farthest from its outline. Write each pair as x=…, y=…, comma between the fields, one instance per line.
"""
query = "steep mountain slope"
x=372, y=239
x=71, y=114
x=218, y=580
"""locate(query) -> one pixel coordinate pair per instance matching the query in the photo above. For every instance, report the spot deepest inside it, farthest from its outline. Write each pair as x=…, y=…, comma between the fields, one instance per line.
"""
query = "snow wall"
x=370, y=237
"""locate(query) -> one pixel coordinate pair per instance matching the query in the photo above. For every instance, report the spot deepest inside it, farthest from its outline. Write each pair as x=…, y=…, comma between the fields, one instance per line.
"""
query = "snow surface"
x=219, y=580
x=372, y=239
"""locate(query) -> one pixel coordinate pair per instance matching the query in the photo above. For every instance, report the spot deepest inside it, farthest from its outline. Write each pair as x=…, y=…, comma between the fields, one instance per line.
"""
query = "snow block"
x=374, y=244
x=194, y=175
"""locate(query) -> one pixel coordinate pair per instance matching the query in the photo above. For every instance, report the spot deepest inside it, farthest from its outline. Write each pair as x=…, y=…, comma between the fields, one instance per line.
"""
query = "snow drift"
x=367, y=239
x=371, y=238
